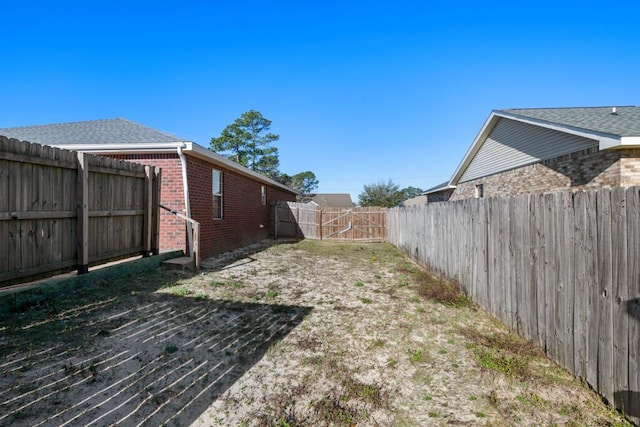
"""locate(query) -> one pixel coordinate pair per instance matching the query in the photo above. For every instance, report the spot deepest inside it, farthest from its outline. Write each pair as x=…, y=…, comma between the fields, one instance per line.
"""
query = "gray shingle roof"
x=331, y=200
x=439, y=187
x=106, y=131
x=625, y=123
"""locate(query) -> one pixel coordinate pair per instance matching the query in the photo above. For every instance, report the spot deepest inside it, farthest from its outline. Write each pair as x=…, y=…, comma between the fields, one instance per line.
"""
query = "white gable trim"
x=605, y=141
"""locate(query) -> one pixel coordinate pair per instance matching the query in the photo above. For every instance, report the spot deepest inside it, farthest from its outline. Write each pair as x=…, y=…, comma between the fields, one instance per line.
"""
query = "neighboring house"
x=414, y=201
x=439, y=193
x=330, y=200
x=230, y=202
x=548, y=149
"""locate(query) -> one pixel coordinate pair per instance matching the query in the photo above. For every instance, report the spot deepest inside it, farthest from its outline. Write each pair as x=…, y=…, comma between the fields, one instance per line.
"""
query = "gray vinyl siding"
x=512, y=144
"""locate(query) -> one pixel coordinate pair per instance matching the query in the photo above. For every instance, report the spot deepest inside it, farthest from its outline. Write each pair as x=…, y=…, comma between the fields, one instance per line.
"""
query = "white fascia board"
x=630, y=142
x=437, y=190
x=212, y=157
x=123, y=148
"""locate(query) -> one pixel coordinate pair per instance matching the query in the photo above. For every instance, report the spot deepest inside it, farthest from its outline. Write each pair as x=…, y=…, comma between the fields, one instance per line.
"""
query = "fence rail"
x=312, y=222
x=62, y=210
x=561, y=269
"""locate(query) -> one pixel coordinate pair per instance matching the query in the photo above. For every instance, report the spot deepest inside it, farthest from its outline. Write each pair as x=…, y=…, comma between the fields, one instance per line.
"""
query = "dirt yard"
x=291, y=334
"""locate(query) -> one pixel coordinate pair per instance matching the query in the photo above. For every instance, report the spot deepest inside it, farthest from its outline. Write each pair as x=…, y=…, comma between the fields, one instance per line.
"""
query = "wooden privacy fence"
x=306, y=220
x=62, y=210
x=562, y=269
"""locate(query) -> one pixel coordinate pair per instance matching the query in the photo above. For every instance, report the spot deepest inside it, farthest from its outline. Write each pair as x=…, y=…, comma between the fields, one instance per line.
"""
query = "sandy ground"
x=280, y=335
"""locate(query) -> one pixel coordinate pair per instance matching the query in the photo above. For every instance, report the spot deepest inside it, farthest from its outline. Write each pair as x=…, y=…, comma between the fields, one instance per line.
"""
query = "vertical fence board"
x=605, y=312
x=580, y=288
x=567, y=268
x=633, y=304
x=619, y=296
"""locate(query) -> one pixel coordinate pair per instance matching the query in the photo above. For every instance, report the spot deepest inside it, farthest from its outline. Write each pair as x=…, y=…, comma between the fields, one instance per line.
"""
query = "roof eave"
x=212, y=157
x=129, y=148
x=605, y=141
x=171, y=147
x=438, y=189
x=486, y=129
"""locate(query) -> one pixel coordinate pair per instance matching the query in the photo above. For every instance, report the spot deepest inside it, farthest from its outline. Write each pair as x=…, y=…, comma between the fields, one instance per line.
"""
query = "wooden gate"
x=356, y=224
x=309, y=221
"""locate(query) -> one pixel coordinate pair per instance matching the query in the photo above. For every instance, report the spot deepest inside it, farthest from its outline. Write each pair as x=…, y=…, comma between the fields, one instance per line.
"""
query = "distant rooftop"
x=331, y=200
x=624, y=122
x=106, y=131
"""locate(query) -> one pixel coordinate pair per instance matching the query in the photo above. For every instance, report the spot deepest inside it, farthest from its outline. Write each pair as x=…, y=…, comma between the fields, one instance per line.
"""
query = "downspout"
x=187, y=205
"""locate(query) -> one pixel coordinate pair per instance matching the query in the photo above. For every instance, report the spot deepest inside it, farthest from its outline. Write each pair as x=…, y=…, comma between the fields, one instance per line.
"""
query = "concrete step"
x=183, y=263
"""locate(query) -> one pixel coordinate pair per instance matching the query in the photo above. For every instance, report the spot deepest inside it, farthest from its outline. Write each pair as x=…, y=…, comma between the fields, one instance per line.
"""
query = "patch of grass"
x=499, y=340
x=391, y=363
x=333, y=410
x=366, y=300
x=501, y=362
x=371, y=394
x=420, y=356
x=272, y=293
x=403, y=283
x=358, y=284
x=201, y=297
x=179, y=291
x=436, y=288
x=377, y=343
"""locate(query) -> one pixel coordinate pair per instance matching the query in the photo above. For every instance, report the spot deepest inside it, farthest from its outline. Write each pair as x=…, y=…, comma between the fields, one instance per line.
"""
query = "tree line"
x=249, y=142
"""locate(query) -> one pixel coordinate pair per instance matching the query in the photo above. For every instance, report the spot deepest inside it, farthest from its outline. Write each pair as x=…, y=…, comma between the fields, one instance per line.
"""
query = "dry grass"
x=302, y=333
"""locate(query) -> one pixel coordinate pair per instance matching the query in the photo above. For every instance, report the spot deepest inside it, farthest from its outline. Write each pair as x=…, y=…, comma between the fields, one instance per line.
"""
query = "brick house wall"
x=243, y=211
x=173, y=232
x=576, y=171
x=440, y=196
x=245, y=219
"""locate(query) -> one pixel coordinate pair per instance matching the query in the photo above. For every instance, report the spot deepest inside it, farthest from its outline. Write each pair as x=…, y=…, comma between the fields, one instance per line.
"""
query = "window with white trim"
x=479, y=191
x=216, y=185
x=264, y=195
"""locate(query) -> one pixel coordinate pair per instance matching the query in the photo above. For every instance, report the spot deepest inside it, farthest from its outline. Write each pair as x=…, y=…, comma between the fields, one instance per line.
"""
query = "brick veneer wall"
x=630, y=167
x=577, y=171
x=173, y=231
x=243, y=212
x=440, y=196
x=244, y=219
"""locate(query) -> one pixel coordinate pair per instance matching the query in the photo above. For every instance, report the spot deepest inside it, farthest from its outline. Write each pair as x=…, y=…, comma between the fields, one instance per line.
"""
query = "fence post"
x=157, y=184
x=83, y=213
x=196, y=245
x=275, y=218
x=148, y=206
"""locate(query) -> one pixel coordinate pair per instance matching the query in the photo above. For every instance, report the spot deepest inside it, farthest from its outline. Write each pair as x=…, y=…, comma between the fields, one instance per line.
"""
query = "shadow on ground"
x=147, y=358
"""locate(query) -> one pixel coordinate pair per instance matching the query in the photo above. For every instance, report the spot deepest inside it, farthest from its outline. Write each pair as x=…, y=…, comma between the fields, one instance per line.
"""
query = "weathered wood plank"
x=605, y=309
x=83, y=213
x=632, y=304
x=619, y=297
x=593, y=289
x=580, y=288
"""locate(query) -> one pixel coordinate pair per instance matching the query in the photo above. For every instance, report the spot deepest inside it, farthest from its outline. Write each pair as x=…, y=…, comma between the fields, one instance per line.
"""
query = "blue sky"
x=359, y=92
